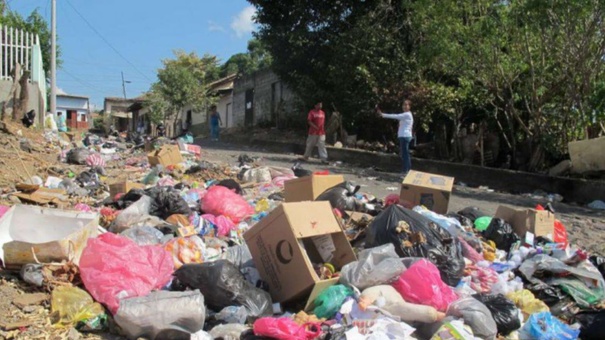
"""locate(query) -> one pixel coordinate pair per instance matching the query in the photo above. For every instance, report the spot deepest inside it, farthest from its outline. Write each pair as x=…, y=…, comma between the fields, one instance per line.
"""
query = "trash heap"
x=187, y=249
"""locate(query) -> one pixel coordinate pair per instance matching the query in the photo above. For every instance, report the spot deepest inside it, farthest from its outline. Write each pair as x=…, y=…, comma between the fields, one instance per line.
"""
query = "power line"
x=107, y=42
x=83, y=83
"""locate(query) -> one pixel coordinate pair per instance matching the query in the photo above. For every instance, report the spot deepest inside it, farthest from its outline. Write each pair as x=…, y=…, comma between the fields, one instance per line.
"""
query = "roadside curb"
x=573, y=190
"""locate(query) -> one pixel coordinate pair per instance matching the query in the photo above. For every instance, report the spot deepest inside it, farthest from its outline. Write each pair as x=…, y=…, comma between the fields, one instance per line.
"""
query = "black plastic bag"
x=414, y=235
x=342, y=197
x=231, y=184
x=77, y=156
x=551, y=295
x=472, y=213
x=501, y=233
x=299, y=171
x=593, y=325
x=504, y=312
x=599, y=262
x=223, y=285
x=165, y=201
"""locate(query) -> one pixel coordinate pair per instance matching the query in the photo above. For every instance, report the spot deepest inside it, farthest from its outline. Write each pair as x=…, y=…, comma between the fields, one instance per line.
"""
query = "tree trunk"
x=15, y=72
x=20, y=106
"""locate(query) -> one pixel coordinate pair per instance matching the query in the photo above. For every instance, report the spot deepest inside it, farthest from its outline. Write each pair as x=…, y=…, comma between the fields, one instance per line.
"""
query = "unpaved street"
x=586, y=227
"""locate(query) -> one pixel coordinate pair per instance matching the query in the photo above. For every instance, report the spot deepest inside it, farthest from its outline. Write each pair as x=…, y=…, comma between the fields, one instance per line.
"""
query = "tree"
x=35, y=24
x=182, y=82
x=256, y=58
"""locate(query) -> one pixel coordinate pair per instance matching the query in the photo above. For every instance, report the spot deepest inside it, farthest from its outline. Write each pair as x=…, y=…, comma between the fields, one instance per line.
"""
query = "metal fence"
x=16, y=47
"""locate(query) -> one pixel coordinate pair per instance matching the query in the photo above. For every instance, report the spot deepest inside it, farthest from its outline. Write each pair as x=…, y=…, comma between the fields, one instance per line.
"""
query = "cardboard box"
x=53, y=235
x=539, y=223
x=430, y=190
x=166, y=155
x=309, y=187
x=285, y=245
x=124, y=187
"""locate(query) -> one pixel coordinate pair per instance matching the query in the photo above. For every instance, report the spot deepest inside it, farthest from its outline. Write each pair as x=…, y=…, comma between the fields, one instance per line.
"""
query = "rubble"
x=120, y=241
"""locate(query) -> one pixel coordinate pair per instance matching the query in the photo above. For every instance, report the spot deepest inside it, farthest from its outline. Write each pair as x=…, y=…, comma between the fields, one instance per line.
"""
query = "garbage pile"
x=192, y=250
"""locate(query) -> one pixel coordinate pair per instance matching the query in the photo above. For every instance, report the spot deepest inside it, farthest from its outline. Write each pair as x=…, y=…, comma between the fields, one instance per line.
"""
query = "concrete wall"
x=270, y=93
x=33, y=103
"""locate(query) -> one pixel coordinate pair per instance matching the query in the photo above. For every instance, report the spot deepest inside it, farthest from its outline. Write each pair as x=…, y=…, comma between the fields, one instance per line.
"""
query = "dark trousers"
x=404, y=144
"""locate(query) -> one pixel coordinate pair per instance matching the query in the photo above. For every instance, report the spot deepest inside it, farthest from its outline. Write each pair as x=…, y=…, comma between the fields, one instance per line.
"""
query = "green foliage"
x=36, y=24
x=256, y=58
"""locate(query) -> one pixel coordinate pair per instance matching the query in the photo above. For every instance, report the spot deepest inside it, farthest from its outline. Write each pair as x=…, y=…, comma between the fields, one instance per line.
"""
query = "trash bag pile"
x=178, y=251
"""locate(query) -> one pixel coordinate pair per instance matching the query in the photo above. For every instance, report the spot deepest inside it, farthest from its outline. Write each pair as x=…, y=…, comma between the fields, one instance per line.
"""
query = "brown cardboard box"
x=430, y=190
x=309, y=187
x=540, y=223
x=285, y=245
x=124, y=187
x=166, y=155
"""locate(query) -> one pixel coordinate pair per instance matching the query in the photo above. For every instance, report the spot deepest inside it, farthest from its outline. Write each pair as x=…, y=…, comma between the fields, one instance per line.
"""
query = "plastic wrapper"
x=464, y=221
x=476, y=315
x=375, y=266
x=222, y=224
x=504, y=312
x=527, y=302
x=219, y=200
x=501, y=233
x=162, y=315
x=413, y=235
x=186, y=250
x=233, y=314
x=386, y=298
x=592, y=324
x=470, y=252
x=544, y=326
x=453, y=330
x=342, y=197
x=285, y=329
x=482, y=279
x=584, y=293
x=113, y=267
x=223, y=285
x=74, y=305
x=143, y=236
x=450, y=224
x=329, y=301
x=380, y=329
x=422, y=284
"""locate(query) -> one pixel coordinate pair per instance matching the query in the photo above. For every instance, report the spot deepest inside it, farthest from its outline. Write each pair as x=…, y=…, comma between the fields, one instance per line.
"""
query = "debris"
x=25, y=300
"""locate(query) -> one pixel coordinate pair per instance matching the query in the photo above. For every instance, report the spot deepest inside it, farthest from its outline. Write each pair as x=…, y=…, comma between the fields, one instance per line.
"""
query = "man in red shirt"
x=317, y=134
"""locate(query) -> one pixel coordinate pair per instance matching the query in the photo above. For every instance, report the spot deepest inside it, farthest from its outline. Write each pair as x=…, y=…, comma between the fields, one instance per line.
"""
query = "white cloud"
x=214, y=27
x=243, y=24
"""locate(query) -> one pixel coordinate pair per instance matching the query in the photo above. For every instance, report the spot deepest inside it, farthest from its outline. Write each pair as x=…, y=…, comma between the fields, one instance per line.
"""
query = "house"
x=262, y=97
x=76, y=110
x=223, y=89
x=117, y=109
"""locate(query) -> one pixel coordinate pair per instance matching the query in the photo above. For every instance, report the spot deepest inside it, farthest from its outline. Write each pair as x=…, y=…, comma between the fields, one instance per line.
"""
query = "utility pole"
x=53, y=59
x=124, y=82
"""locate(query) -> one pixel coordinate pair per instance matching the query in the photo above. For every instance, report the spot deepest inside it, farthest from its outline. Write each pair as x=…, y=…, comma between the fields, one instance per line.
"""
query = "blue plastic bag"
x=544, y=326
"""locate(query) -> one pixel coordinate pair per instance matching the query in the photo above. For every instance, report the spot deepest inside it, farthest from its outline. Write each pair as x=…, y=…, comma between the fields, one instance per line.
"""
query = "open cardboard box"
x=124, y=187
x=53, y=235
x=430, y=190
x=285, y=245
x=166, y=155
x=308, y=188
x=539, y=223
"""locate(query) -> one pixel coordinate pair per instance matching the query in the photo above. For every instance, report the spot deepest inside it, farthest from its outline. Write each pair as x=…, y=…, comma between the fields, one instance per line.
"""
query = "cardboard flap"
x=427, y=180
x=318, y=288
x=309, y=219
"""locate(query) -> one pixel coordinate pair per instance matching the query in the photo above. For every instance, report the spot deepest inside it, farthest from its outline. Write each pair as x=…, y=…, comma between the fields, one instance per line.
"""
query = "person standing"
x=61, y=122
x=404, y=133
x=317, y=135
x=215, y=123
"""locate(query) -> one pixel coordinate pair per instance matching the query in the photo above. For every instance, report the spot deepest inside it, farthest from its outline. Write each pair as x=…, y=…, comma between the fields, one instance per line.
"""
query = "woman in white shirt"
x=404, y=133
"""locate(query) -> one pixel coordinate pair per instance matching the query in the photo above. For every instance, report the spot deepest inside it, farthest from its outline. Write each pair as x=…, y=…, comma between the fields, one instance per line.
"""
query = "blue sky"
x=143, y=32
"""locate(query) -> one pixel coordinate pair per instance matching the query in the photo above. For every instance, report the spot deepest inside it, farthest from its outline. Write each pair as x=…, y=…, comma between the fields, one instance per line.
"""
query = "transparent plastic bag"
x=527, y=302
x=186, y=250
x=476, y=315
x=421, y=283
x=544, y=326
x=135, y=213
x=330, y=300
x=74, y=305
x=376, y=266
x=144, y=235
x=388, y=299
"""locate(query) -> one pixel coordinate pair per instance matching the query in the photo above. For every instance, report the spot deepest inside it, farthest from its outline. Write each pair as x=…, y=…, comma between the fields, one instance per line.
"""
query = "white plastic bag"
x=376, y=266
x=476, y=315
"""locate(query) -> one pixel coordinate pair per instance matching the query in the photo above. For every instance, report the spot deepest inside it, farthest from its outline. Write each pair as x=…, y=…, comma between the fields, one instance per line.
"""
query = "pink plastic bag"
x=421, y=284
x=285, y=329
x=4, y=209
x=113, y=267
x=222, y=223
x=470, y=252
x=222, y=201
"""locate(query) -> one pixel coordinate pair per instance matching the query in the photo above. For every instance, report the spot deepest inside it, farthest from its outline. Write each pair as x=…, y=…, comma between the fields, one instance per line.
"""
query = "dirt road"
x=586, y=227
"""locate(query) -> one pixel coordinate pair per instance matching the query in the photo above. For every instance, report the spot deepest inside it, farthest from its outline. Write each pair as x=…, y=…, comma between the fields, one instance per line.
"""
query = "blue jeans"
x=404, y=144
x=214, y=131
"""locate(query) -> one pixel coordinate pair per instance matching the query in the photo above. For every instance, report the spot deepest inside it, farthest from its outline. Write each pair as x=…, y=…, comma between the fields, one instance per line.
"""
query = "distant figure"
x=29, y=118
x=161, y=130
x=61, y=122
x=406, y=122
x=215, y=123
x=317, y=135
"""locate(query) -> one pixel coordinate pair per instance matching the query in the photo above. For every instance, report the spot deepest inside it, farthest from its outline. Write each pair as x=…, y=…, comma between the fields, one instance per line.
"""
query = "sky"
x=99, y=39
